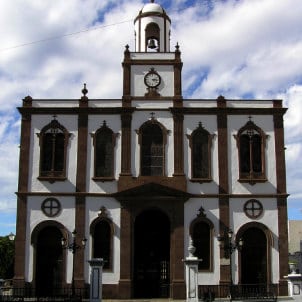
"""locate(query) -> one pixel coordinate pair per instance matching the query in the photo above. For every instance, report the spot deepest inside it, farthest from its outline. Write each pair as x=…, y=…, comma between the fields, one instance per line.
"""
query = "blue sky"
x=238, y=48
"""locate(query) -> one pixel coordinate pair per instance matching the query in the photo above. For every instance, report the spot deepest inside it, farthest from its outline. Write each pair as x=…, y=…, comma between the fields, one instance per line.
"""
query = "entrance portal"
x=151, y=255
x=49, y=266
x=254, y=257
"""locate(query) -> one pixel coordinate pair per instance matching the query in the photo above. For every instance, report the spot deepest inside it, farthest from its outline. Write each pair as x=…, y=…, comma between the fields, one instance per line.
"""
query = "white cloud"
x=233, y=47
x=293, y=117
x=245, y=45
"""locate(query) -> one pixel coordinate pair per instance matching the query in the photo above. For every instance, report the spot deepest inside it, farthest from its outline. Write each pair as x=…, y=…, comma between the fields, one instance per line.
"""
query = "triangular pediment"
x=152, y=190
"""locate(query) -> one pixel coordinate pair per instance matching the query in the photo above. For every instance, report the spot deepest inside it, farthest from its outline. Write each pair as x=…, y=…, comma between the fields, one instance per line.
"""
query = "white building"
x=138, y=176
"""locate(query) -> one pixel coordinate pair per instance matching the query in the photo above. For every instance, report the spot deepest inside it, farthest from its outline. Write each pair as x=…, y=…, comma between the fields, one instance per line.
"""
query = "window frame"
x=201, y=130
x=49, y=204
x=111, y=177
x=140, y=133
x=103, y=218
x=53, y=127
x=251, y=177
x=202, y=219
x=249, y=209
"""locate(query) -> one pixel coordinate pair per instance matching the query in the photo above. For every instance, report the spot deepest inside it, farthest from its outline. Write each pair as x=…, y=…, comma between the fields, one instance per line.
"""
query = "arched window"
x=200, y=142
x=104, y=142
x=251, y=145
x=102, y=233
x=201, y=231
x=152, y=37
x=53, y=151
x=152, y=137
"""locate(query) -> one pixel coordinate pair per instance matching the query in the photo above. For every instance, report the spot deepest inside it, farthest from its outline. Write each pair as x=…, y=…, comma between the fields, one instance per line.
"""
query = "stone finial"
x=84, y=90
x=27, y=101
x=103, y=212
x=191, y=248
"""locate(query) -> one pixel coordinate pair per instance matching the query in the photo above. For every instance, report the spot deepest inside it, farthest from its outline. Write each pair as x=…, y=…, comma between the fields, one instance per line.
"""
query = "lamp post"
x=229, y=246
x=73, y=247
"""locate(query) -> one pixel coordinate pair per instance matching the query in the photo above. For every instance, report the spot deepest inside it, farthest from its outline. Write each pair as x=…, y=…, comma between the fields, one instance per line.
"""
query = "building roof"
x=152, y=8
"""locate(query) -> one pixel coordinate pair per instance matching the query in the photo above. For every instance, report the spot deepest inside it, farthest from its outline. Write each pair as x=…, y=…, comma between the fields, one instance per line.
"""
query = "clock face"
x=152, y=79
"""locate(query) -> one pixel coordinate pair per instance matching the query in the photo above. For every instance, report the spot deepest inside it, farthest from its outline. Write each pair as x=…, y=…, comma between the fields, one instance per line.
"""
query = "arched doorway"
x=49, y=261
x=151, y=255
x=254, y=257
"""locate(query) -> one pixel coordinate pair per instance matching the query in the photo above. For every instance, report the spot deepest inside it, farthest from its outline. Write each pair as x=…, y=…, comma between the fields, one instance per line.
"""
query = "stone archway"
x=151, y=255
x=49, y=259
x=255, y=259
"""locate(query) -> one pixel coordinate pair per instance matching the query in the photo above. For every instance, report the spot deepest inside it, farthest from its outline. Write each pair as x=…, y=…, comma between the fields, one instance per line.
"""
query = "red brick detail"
x=79, y=259
x=20, y=241
x=281, y=202
x=178, y=144
x=224, y=216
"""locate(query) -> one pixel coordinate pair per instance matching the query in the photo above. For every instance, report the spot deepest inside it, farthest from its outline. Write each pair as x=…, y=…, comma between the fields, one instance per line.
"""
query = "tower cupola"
x=152, y=29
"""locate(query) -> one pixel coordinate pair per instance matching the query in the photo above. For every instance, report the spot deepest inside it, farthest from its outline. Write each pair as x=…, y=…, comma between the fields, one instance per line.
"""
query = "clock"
x=152, y=79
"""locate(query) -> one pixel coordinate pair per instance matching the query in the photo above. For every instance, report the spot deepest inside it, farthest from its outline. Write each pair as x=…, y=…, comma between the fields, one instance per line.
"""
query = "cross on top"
x=152, y=115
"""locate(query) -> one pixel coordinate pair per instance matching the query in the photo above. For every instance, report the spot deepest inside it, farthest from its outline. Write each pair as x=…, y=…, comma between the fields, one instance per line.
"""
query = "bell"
x=151, y=44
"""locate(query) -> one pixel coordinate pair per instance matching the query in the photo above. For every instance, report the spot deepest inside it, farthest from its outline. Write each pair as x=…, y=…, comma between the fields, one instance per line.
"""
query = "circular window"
x=253, y=208
x=51, y=207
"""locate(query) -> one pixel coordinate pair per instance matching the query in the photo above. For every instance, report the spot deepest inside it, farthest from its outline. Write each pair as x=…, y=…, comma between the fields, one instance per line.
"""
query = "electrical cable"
x=63, y=36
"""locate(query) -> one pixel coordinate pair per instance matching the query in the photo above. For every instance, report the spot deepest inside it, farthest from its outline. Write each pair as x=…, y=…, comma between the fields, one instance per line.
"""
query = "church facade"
x=135, y=180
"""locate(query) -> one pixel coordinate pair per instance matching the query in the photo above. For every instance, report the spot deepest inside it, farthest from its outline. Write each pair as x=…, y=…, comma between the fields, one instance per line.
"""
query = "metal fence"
x=247, y=292
x=48, y=294
x=207, y=293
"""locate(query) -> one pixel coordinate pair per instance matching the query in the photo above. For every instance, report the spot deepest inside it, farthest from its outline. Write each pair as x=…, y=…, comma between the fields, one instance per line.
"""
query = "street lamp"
x=11, y=236
x=73, y=247
x=229, y=246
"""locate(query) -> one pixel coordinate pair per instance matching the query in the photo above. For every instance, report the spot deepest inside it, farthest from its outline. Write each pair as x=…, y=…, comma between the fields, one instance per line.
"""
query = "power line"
x=63, y=36
x=69, y=34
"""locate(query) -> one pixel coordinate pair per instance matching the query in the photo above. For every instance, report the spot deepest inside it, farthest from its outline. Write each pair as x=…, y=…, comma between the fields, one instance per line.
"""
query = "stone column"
x=191, y=263
x=96, y=279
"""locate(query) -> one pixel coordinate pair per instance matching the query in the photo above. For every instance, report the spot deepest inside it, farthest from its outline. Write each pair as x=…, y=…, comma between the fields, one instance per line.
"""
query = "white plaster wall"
x=152, y=56
x=250, y=104
x=55, y=103
x=35, y=216
x=152, y=104
x=209, y=122
x=200, y=103
x=191, y=209
x=101, y=103
x=70, y=122
x=163, y=117
x=93, y=205
x=138, y=87
x=94, y=123
x=269, y=219
x=266, y=124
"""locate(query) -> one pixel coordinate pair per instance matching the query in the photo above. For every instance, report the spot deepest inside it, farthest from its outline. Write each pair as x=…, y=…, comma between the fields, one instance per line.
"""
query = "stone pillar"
x=191, y=263
x=96, y=279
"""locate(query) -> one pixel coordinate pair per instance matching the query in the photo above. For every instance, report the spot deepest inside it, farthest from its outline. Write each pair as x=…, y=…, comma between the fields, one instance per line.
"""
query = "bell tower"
x=152, y=71
x=152, y=84
x=152, y=29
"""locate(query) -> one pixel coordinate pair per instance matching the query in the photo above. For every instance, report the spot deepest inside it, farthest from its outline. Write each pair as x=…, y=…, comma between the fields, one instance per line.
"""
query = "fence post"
x=96, y=279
